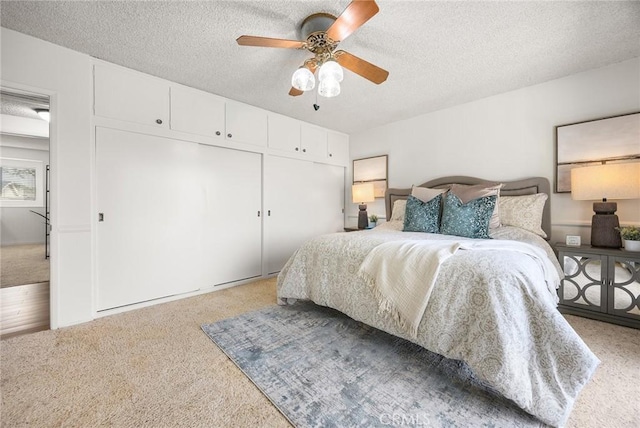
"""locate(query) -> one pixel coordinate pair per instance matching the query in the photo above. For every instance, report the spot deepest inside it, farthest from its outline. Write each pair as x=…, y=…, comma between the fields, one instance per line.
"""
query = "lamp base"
x=604, y=224
x=363, y=217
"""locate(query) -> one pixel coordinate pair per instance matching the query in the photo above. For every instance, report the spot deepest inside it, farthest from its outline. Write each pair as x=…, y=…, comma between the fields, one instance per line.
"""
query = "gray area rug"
x=323, y=369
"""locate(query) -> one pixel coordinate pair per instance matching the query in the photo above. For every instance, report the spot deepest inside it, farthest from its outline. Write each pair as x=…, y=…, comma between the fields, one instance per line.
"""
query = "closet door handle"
x=269, y=213
x=258, y=213
x=100, y=216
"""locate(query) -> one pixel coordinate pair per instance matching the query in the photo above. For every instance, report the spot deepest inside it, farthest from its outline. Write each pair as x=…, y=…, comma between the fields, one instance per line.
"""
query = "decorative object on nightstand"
x=373, y=220
x=615, y=181
x=631, y=237
x=361, y=194
x=600, y=283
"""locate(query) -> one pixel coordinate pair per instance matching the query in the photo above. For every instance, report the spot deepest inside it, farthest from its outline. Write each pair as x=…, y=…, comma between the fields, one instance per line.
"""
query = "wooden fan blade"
x=269, y=42
x=357, y=13
x=311, y=65
x=359, y=66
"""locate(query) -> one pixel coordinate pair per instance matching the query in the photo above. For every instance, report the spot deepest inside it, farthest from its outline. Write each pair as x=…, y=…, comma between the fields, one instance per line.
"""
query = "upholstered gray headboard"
x=527, y=186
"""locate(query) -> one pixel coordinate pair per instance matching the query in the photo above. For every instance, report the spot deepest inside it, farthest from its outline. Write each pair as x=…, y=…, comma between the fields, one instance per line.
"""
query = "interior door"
x=232, y=230
x=289, y=217
x=150, y=201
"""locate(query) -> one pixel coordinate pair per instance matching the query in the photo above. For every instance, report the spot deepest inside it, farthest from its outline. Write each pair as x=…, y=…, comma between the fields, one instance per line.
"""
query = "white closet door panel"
x=197, y=112
x=150, y=194
x=289, y=221
x=130, y=96
x=314, y=141
x=338, y=148
x=245, y=123
x=284, y=133
x=232, y=231
x=328, y=199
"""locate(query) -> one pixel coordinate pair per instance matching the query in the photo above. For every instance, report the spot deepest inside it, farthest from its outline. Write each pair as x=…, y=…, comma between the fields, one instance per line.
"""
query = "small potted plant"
x=373, y=220
x=631, y=237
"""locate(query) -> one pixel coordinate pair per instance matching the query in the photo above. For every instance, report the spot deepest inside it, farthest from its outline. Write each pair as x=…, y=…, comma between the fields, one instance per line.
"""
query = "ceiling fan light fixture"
x=330, y=70
x=329, y=88
x=303, y=79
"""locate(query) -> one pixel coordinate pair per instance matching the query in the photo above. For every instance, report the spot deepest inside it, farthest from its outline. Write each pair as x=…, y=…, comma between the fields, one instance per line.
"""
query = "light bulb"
x=329, y=88
x=303, y=79
x=331, y=70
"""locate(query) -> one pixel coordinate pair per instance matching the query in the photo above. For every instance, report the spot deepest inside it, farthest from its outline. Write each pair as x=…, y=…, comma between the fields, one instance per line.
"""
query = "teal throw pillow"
x=422, y=216
x=470, y=220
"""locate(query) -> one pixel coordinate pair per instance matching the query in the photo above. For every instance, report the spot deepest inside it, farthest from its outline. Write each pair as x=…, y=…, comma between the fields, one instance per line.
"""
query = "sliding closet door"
x=232, y=230
x=150, y=200
x=328, y=199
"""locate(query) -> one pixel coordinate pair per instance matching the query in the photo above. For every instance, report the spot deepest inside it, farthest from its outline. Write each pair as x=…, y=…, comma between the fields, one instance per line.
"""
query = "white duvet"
x=491, y=308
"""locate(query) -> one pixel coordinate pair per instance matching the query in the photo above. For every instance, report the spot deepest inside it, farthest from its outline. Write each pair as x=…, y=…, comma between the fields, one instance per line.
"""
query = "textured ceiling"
x=439, y=54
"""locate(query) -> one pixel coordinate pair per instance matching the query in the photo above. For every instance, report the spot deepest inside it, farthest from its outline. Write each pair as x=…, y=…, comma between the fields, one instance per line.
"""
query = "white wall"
x=31, y=64
x=506, y=137
x=19, y=225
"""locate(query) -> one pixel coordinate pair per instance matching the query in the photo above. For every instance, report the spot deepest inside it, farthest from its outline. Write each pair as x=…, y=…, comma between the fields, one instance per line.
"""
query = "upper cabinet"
x=131, y=96
x=313, y=141
x=284, y=133
x=197, y=112
x=246, y=124
x=338, y=148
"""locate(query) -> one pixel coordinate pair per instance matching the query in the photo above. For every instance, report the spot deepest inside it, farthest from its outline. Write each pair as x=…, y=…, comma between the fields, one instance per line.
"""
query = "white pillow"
x=524, y=212
x=397, y=212
x=425, y=194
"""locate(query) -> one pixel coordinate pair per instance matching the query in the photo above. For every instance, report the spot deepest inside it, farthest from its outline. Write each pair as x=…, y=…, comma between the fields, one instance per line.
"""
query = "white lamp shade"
x=303, y=79
x=362, y=192
x=330, y=70
x=329, y=88
x=611, y=181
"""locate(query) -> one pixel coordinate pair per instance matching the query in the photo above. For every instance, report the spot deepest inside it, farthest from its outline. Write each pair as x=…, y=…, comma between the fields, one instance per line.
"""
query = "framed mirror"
x=372, y=170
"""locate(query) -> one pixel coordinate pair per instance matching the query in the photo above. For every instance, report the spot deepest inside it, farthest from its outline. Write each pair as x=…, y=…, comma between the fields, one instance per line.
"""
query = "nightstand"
x=600, y=283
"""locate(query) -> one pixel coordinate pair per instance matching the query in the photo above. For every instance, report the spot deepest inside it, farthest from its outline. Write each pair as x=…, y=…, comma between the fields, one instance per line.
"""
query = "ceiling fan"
x=323, y=34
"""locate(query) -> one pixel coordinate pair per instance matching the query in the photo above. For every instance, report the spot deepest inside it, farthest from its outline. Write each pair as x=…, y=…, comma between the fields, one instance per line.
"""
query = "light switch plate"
x=573, y=241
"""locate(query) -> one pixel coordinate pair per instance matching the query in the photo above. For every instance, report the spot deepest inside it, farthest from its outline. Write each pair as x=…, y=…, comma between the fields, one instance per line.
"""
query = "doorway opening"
x=24, y=213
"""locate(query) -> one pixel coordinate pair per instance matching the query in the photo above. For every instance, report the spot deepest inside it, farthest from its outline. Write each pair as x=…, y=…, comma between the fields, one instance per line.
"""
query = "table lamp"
x=361, y=194
x=614, y=181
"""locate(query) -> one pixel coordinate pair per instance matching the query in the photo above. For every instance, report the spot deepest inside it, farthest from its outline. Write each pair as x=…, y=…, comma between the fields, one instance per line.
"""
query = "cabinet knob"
x=330, y=155
x=297, y=149
x=304, y=150
x=229, y=135
x=217, y=132
x=159, y=121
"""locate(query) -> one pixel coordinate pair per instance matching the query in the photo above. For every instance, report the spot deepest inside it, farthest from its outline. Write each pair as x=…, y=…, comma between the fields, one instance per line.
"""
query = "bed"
x=489, y=302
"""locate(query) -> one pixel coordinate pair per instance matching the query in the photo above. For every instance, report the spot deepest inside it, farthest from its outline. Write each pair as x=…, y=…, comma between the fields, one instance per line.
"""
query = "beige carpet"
x=154, y=367
x=23, y=264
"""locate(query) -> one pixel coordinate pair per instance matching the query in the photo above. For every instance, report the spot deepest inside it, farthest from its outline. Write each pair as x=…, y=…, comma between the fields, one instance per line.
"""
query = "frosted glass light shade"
x=329, y=88
x=612, y=181
x=362, y=192
x=303, y=79
x=330, y=70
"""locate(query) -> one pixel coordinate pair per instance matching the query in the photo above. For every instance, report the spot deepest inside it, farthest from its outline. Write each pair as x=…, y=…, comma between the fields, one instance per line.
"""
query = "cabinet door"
x=327, y=200
x=232, y=230
x=150, y=197
x=584, y=282
x=284, y=133
x=127, y=95
x=338, y=148
x=246, y=124
x=197, y=112
x=624, y=288
x=314, y=141
x=290, y=220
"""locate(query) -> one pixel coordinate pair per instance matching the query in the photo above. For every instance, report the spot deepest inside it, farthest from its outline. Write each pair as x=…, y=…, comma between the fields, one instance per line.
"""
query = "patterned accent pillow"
x=422, y=216
x=470, y=220
x=398, y=210
x=467, y=193
x=524, y=212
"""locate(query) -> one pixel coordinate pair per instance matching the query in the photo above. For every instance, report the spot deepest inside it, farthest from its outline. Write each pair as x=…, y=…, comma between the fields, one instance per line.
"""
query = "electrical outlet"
x=573, y=241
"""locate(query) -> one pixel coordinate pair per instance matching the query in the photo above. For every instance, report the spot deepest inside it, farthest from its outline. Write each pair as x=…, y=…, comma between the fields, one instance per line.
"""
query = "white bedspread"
x=401, y=274
x=489, y=308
